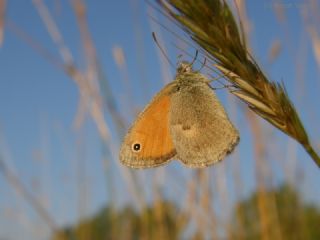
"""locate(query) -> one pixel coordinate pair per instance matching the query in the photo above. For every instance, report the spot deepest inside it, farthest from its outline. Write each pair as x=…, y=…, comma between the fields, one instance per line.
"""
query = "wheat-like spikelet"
x=211, y=24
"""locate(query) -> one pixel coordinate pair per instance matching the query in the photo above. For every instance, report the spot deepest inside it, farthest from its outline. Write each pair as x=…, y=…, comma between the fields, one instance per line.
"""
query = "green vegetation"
x=293, y=219
x=152, y=222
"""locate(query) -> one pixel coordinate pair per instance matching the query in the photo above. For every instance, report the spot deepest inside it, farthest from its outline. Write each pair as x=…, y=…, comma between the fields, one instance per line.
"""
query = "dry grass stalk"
x=274, y=51
x=2, y=15
x=265, y=202
x=88, y=88
x=213, y=27
x=90, y=96
x=18, y=186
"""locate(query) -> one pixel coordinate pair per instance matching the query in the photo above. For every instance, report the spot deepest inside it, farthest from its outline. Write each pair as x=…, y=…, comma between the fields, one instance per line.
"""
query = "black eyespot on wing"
x=136, y=147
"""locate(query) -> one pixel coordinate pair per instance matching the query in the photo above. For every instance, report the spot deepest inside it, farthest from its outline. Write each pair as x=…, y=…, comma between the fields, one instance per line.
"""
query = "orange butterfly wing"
x=148, y=142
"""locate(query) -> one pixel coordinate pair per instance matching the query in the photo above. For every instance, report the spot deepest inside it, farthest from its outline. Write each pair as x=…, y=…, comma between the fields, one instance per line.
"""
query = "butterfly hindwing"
x=200, y=129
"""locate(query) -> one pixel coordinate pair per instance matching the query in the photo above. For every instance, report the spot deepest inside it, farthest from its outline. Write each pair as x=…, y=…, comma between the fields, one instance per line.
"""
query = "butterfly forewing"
x=148, y=142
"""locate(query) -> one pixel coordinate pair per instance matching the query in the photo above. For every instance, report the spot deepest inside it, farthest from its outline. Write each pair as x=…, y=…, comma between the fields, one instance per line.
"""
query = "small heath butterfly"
x=184, y=121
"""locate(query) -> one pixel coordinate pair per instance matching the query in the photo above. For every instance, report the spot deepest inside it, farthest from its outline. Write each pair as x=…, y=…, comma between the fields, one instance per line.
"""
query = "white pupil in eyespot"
x=136, y=147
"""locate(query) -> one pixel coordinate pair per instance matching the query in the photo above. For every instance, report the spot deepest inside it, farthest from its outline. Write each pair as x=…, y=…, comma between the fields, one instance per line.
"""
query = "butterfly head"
x=184, y=67
x=187, y=77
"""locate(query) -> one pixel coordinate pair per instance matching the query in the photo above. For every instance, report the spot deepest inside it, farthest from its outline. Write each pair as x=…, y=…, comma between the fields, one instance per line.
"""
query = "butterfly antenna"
x=203, y=64
x=195, y=57
x=161, y=49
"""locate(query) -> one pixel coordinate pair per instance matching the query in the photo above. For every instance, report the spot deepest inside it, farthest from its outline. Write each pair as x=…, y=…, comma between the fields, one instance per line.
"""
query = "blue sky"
x=38, y=102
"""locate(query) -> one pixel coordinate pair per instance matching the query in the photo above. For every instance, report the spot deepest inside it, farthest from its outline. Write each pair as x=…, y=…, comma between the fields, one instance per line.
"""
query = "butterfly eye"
x=136, y=147
x=186, y=69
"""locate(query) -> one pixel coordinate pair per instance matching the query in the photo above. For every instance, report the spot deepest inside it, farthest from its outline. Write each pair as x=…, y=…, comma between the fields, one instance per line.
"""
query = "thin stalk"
x=309, y=149
x=213, y=27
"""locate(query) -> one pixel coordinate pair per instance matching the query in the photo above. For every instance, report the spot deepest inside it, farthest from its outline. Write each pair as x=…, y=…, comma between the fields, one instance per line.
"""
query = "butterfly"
x=184, y=121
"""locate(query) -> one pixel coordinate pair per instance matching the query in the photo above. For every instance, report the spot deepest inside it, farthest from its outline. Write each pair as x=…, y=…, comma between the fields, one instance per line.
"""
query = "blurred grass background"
x=60, y=173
